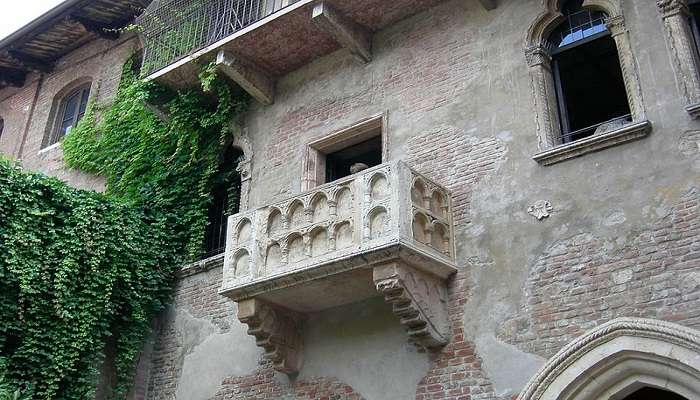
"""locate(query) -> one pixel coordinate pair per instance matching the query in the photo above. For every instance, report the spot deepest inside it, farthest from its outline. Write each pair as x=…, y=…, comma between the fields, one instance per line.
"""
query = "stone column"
x=630, y=74
x=546, y=110
x=675, y=14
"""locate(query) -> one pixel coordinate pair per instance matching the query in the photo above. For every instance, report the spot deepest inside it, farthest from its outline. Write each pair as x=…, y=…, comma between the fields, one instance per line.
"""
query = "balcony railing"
x=174, y=29
x=385, y=231
x=343, y=225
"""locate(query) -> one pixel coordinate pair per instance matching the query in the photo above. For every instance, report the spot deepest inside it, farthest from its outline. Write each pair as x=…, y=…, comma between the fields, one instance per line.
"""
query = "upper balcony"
x=387, y=230
x=255, y=42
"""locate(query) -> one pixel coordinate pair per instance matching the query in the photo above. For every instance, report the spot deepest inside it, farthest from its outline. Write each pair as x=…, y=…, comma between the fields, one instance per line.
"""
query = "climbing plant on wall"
x=80, y=270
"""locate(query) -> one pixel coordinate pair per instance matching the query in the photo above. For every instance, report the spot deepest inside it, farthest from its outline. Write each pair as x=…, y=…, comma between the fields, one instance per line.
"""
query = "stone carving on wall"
x=418, y=299
x=541, y=209
x=388, y=221
x=276, y=331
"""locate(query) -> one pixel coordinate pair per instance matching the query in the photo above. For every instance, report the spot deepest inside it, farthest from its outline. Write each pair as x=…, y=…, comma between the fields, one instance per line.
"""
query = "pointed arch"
x=619, y=357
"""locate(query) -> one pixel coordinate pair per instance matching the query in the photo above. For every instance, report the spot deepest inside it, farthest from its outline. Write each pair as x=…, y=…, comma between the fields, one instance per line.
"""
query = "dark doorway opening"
x=339, y=163
x=226, y=196
x=649, y=393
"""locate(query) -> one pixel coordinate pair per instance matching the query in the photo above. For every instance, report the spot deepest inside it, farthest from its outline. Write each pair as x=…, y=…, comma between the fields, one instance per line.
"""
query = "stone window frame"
x=538, y=57
x=675, y=15
x=58, y=106
x=314, y=159
x=619, y=357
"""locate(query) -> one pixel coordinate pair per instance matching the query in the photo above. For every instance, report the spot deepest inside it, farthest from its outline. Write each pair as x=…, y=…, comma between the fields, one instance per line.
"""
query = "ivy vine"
x=81, y=270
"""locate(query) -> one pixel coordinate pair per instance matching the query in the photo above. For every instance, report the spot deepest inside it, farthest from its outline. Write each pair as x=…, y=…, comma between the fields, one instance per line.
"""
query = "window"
x=590, y=89
x=225, y=201
x=585, y=81
x=342, y=153
x=71, y=109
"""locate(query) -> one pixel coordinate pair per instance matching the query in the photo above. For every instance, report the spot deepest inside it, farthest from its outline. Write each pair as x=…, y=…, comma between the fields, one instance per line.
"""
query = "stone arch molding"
x=539, y=59
x=619, y=357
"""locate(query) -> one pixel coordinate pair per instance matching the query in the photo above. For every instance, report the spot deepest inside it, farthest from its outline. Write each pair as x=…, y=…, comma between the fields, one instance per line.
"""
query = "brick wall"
x=99, y=62
x=583, y=281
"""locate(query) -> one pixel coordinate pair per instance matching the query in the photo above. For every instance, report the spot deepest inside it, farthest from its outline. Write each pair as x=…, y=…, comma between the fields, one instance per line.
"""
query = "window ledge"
x=50, y=148
x=693, y=110
x=627, y=133
x=202, y=265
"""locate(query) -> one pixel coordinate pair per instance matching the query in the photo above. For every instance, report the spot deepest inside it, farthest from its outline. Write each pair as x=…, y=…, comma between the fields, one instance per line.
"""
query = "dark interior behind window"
x=591, y=87
x=71, y=110
x=225, y=201
x=338, y=163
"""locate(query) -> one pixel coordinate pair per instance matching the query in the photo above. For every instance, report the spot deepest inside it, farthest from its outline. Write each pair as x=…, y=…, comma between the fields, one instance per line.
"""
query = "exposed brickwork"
x=456, y=373
x=198, y=295
x=99, y=62
x=264, y=386
x=582, y=281
x=458, y=161
x=426, y=69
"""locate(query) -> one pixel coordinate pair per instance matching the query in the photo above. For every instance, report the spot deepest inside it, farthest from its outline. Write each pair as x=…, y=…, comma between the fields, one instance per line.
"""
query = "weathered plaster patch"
x=615, y=217
x=365, y=346
x=208, y=356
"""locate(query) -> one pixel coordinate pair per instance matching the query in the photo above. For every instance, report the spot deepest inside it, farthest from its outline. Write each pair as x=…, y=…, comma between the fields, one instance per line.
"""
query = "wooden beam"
x=489, y=4
x=101, y=30
x=250, y=78
x=27, y=62
x=345, y=31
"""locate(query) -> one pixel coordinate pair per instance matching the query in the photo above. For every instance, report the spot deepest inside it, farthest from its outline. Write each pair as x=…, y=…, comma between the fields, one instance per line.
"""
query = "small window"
x=349, y=160
x=590, y=88
x=71, y=110
x=225, y=201
x=345, y=152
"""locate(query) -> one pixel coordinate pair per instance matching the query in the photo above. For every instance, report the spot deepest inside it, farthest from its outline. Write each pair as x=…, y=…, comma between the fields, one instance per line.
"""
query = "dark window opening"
x=590, y=88
x=649, y=393
x=70, y=112
x=340, y=163
x=226, y=196
x=2, y=126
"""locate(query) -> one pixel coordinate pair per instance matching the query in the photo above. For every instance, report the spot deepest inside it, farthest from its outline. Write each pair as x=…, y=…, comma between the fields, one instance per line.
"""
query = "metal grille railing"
x=174, y=29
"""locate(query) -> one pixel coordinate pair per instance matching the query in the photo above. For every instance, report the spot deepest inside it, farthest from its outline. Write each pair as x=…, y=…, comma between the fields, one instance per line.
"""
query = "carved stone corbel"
x=418, y=299
x=276, y=330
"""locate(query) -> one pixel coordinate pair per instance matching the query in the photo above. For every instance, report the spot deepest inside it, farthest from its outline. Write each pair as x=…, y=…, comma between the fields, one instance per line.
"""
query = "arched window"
x=590, y=88
x=225, y=201
x=587, y=92
x=71, y=108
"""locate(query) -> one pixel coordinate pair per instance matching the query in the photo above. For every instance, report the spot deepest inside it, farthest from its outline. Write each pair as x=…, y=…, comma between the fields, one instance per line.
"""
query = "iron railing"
x=174, y=29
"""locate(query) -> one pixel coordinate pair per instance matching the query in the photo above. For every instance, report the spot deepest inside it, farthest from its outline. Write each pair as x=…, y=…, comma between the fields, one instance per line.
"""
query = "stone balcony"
x=385, y=231
x=286, y=36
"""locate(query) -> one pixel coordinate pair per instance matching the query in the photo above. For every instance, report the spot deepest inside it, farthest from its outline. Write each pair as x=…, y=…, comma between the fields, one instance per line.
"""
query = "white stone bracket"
x=277, y=331
x=251, y=78
x=418, y=299
x=345, y=31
